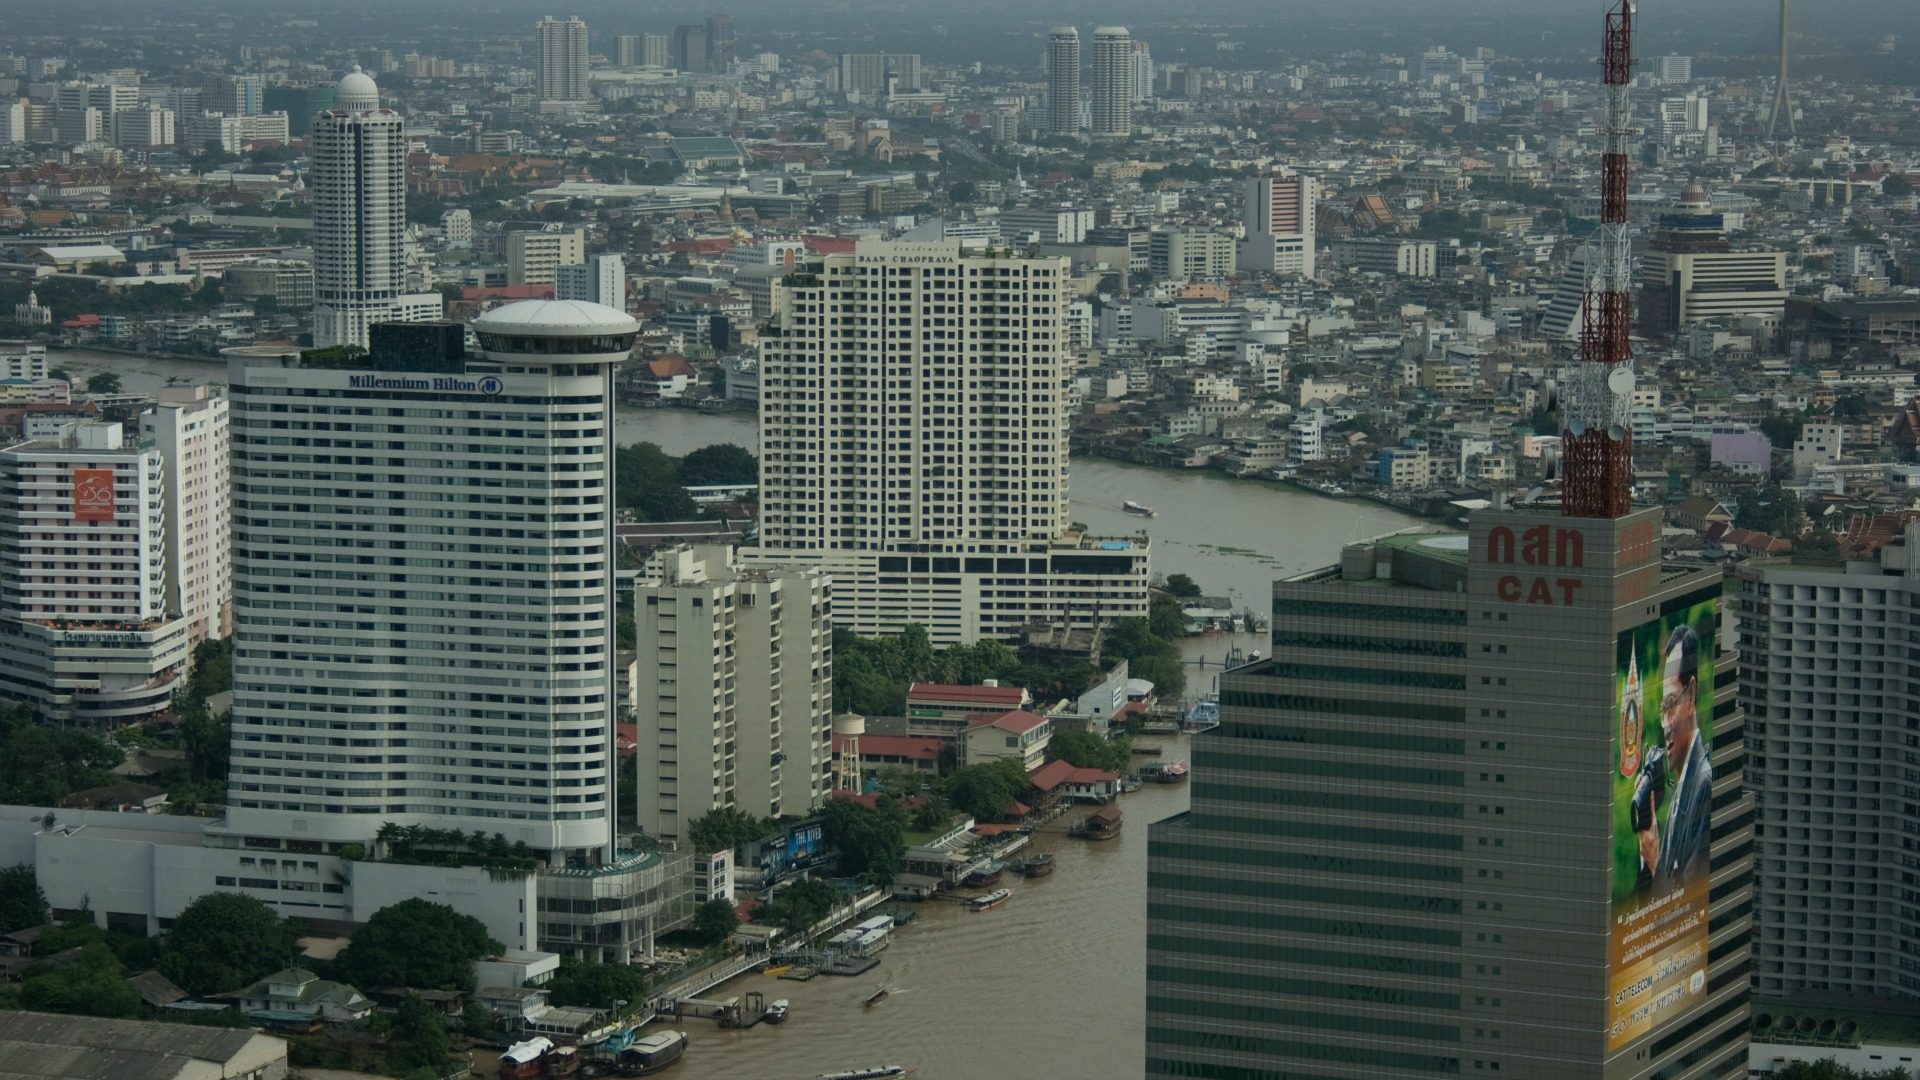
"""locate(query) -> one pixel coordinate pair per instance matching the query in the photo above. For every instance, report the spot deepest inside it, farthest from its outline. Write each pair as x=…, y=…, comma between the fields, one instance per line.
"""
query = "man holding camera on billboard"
x=1674, y=858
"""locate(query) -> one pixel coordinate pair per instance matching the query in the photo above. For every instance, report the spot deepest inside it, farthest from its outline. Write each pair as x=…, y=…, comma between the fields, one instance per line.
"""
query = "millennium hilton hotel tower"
x=1481, y=813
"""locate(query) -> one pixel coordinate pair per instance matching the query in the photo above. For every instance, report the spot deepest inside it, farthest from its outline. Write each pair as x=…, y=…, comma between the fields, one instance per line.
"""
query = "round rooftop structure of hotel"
x=356, y=92
x=533, y=330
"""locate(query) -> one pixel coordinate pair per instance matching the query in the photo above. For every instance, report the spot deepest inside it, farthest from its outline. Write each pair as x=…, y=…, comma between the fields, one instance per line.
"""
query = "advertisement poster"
x=93, y=494
x=1662, y=820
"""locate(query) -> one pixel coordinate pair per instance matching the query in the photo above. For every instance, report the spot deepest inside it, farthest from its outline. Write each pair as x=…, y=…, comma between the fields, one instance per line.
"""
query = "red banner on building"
x=93, y=494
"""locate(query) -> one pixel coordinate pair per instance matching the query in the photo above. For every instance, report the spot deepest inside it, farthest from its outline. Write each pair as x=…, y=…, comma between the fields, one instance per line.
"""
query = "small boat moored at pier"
x=651, y=1054
x=777, y=1012
x=990, y=900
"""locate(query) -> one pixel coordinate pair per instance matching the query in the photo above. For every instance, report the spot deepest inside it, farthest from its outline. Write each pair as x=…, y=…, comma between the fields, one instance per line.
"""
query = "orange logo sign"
x=93, y=494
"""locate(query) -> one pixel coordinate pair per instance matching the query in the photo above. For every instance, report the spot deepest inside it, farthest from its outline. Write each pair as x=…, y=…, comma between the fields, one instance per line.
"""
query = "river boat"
x=651, y=1054
x=989, y=901
x=1036, y=865
x=879, y=994
x=1142, y=509
x=521, y=1061
x=868, y=1072
x=1204, y=716
x=1102, y=824
x=561, y=1061
x=777, y=1012
x=1164, y=772
x=988, y=875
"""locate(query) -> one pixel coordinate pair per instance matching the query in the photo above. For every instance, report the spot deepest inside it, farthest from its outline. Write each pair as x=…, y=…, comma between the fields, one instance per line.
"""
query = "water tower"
x=847, y=729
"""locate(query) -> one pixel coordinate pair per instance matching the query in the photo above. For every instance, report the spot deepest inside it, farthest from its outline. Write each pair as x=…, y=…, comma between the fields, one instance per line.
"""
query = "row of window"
x=1291, y=954
x=1429, y=1064
x=1335, y=609
x=1341, y=706
x=1346, y=738
x=1322, y=830
x=1429, y=680
x=1314, y=893
x=1208, y=760
x=1316, y=988
x=1318, y=862
x=1334, y=800
x=1302, y=924
x=1366, y=643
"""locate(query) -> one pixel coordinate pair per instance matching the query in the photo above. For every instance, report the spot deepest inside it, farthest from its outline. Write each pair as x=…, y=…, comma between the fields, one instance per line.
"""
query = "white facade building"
x=1063, y=80
x=479, y=684
x=534, y=257
x=914, y=445
x=602, y=279
x=733, y=688
x=86, y=634
x=563, y=59
x=1112, y=82
x=1823, y=658
x=1280, y=226
x=189, y=427
x=359, y=188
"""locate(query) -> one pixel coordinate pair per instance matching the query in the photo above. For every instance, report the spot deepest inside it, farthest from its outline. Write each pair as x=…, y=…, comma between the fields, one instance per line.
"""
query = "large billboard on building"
x=1662, y=820
x=93, y=494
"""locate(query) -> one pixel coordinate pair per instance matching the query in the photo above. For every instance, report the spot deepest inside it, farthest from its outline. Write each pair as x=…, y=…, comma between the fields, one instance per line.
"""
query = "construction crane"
x=1597, y=445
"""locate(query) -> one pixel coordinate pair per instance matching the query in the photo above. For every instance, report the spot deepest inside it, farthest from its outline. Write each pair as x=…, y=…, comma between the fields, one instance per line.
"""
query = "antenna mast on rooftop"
x=1597, y=447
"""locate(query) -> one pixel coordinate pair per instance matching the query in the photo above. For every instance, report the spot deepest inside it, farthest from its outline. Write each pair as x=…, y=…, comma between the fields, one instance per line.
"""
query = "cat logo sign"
x=93, y=494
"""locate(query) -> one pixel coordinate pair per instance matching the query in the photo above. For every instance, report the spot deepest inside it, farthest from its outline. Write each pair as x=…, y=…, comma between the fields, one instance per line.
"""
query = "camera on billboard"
x=1650, y=790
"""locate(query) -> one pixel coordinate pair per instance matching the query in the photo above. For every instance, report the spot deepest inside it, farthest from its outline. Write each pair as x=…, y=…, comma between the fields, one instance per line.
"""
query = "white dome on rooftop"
x=356, y=92
x=555, y=318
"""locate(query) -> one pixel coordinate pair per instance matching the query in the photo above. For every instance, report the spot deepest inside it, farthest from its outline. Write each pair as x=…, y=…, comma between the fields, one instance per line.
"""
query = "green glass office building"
x=1480, y=813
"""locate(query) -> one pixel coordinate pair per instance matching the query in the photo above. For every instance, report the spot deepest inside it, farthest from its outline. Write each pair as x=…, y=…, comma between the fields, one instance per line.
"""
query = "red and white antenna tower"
x=1597, y=447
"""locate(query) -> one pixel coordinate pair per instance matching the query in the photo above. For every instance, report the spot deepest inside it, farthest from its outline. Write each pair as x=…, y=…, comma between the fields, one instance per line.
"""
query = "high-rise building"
x=87, y=635
x=1142, y=73
x=1690, y=272
x=534, y=257
x=144, y=129
x=626, y=50
x=864, y=75
x=1391, y=256
x=1480, y=813
x=913, y=405
x=563, y=59
x=1190, y=254
x=479, y=687
x=656, y=50
x=300, y=103
x=720, y=48
x=188, y=426
x=602, y=279
x=359, y=184
x=1112, y=81
x=1280, y=224
x=733, y=687
x=1821, y=666
x=690, y=47
x=1676, y=69
x=243, y=95
x=1063, y=80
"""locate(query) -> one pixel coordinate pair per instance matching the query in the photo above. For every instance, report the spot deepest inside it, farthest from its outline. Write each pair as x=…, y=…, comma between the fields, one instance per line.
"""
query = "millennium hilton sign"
x=445, y=384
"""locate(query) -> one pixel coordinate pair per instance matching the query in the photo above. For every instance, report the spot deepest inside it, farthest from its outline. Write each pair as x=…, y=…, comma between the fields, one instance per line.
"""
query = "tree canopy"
x=646, y=484
x=713, y=922
x=40, y=765
x=727, y=829
x=987, y=790
x=798, y=906
x=1086, y=750
x=583, y=984
x=723, y=463
x=1770, y=509
x=417, y=944
x=1182, y=586
x=868, y=842
x=225, y=941
x=22, y=904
